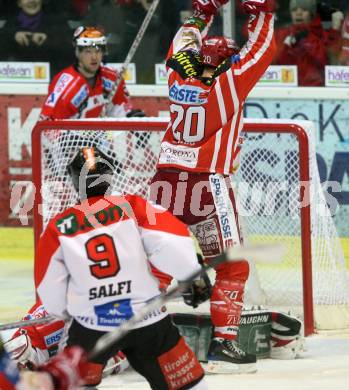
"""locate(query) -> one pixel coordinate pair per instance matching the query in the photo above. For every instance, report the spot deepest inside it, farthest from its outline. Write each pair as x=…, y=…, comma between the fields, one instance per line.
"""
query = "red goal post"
x=278, y=164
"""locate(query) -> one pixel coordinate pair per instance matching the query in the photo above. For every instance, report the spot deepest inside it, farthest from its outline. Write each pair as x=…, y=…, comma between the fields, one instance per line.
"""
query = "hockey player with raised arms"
x=209, y=79
x=86, y=89
x=93, y=267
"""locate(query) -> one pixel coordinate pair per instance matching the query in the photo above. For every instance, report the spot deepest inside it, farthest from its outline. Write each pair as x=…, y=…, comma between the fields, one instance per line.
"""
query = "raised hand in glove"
x=257, y=6
x=208, y=7
x=198, y=292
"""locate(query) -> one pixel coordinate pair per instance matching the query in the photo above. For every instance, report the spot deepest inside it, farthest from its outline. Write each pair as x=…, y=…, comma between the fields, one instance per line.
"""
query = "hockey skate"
x=226, y=357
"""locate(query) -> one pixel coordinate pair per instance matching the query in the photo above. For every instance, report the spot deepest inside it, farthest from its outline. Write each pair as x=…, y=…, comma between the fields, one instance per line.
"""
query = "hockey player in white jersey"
x=93, y=267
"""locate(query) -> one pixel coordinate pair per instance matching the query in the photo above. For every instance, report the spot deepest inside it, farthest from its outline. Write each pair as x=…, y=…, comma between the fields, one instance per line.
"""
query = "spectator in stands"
x=31, y=34
x=344, y=55
x=306, y=43
x=121, y=19
x=80, y=7
x=7, y=6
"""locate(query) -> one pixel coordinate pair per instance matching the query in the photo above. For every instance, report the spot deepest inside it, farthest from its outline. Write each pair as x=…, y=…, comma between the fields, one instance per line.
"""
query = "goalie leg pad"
x=227, y=298
x=292, y=350
x=226, y=307
x=287, y=341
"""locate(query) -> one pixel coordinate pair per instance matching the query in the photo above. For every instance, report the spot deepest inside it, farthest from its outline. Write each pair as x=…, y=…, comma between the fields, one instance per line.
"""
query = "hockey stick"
x=261, y=253
x=131, y=53
x=32, y=322
x=258, y=253
x=112, y=337
x=232, y=255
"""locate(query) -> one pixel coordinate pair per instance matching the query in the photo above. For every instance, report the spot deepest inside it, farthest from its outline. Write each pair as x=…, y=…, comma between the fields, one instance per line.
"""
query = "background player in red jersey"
x=87, y=88
x=209, y=79
x=93, y=267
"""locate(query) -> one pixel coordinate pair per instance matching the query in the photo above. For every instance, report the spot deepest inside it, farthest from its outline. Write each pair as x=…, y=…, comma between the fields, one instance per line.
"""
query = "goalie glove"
x=198, y=292
x=208, y=7
x=257, y=6
x=21, y=351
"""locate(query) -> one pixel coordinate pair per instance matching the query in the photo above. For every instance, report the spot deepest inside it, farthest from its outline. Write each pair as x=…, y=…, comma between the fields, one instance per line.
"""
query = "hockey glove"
x=198, y=292
x=21, y=351
x=67, y=369
x=208, y=7
x=257, y=6
x=135, y=113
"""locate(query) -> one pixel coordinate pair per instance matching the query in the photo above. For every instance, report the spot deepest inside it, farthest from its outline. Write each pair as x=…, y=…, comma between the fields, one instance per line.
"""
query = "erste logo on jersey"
x=80, y=97
x=187, y=94
x=53, y=338
x=60, y=86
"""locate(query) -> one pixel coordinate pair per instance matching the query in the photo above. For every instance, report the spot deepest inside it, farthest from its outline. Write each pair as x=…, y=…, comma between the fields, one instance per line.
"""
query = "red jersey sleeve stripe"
x=254, y=40
x=224, y=119
x=257, y=50
x=234, y=123
x=220, y=100
x=217, y=146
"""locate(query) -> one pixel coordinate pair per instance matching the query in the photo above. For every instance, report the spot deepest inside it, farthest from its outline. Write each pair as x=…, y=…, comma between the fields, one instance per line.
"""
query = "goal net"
x=279, y=195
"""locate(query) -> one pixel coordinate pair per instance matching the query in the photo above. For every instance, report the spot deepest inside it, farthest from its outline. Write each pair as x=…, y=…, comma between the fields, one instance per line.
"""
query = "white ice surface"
x=325, y=366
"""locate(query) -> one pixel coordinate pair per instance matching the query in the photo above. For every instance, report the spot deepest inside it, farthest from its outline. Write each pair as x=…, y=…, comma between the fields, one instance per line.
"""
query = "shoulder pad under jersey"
x=186, y=64
x=223, y=67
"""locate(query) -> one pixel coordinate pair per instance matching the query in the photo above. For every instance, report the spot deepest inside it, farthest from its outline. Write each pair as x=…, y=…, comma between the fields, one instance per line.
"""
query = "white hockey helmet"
x=89, y=36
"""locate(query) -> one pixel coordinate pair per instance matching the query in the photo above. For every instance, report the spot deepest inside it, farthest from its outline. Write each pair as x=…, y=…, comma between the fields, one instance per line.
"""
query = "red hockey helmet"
x=216, y=49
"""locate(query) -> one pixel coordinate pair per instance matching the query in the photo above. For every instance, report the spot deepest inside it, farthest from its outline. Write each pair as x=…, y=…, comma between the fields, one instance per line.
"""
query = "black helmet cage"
x=91, y=179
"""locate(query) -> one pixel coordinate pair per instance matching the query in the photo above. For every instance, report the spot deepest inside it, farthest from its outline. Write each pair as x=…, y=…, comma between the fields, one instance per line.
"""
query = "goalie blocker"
x=264, y=333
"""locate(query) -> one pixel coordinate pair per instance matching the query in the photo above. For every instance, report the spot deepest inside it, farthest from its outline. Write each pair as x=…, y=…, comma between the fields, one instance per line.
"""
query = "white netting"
x=268, y=191
x=268, y=197
x=134, y=153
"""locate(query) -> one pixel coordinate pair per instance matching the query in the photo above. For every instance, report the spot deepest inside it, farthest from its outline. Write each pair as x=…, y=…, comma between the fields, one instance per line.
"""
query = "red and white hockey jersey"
x=70, y=96
x=92, y=260
x=206, y=120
